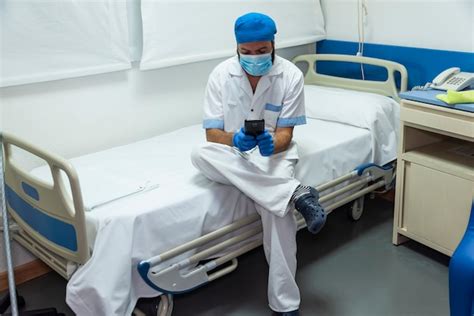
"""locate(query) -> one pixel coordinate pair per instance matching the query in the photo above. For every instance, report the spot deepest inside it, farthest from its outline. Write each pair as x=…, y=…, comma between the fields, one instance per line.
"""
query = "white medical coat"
x=279, y=98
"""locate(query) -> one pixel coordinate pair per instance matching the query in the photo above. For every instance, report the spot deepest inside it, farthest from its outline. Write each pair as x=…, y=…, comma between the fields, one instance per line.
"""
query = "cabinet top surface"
x=429, y=97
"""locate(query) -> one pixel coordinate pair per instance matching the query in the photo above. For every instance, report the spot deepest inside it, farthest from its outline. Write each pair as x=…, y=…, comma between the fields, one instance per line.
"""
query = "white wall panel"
x=43, y=40
x=436, y=24
x=183, y=31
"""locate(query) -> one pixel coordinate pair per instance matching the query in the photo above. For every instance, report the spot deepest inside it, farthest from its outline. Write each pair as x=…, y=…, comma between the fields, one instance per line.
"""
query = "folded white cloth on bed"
x=111, y=180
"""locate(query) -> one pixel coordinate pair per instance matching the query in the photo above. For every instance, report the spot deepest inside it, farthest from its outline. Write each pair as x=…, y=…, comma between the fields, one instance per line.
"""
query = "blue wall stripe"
x=422, y=64
x=30, y=191
x=55, y=230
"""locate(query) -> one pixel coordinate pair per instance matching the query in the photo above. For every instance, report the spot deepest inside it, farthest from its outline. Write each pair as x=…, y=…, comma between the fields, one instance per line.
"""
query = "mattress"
x=165, y=194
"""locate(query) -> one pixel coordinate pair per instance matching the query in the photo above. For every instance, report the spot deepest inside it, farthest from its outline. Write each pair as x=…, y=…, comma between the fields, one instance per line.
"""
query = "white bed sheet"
x=126, y=230
x=328, y=150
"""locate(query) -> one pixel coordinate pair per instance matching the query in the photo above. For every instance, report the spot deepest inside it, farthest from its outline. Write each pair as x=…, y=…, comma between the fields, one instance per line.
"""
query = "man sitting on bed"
x=257, y=84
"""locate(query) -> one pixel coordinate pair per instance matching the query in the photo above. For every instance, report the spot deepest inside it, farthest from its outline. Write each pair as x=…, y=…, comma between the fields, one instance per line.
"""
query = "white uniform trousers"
x=269, y=182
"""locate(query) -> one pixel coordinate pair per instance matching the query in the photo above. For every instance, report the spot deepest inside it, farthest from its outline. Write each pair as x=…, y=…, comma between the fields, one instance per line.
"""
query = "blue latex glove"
x=243, y=141
x=265, y=144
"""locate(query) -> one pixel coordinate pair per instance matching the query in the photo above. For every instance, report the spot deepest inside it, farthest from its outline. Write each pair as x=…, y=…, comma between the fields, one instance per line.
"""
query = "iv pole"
x=6, y=239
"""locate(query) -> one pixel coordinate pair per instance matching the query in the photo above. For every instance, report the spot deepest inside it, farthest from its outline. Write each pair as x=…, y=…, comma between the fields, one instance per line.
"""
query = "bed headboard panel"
x=45, y=211
x=387, y=87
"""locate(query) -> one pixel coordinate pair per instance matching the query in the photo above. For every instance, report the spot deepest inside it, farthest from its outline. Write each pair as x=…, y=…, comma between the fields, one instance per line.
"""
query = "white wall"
x=436, y=24
x=78, y=116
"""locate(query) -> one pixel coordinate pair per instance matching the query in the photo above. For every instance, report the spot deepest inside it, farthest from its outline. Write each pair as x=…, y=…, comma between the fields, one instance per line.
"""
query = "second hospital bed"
x=127, y=222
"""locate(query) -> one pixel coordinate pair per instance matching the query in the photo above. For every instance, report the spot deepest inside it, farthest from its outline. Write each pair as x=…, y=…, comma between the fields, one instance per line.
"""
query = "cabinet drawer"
x=452, y=121
x=436, y=206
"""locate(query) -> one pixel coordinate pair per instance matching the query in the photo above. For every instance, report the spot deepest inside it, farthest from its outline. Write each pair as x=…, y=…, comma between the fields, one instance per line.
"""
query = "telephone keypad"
x=455, y=80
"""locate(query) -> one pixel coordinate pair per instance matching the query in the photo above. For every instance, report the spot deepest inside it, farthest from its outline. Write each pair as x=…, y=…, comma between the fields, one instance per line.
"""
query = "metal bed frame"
x=68, y=210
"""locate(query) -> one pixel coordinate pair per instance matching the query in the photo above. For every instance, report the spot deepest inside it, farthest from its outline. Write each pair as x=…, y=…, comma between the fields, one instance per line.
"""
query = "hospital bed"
x=130, y=221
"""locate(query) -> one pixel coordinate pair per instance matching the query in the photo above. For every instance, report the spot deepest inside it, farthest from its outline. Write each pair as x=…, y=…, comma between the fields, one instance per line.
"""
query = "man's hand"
x=265, y=144
x=243, y=141
x=281, y=138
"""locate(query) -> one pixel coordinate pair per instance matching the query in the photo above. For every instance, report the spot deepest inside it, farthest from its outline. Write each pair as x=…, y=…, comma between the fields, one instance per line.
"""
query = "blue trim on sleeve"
x=213, y=124
x=273, y=108
x=291, y=121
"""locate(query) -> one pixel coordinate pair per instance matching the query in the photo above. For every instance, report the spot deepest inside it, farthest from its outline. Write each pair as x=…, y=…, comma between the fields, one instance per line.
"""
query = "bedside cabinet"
x=435, y=175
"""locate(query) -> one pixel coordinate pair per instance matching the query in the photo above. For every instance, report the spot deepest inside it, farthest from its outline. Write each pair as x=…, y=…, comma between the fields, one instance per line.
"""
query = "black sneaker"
x=313, y=213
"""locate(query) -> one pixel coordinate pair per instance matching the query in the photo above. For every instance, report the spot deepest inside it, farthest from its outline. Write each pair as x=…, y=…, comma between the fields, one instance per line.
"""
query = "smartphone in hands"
x=254, y=127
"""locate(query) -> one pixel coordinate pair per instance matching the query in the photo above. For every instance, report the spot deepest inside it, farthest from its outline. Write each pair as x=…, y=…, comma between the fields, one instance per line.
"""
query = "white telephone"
x=452, y=79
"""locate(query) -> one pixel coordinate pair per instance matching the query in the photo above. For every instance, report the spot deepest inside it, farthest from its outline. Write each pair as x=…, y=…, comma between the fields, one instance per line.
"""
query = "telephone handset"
x=452, y=79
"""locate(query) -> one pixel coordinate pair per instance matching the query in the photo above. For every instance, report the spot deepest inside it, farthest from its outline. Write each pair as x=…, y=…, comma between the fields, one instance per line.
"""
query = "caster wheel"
x=357, y=209
x=165, y=308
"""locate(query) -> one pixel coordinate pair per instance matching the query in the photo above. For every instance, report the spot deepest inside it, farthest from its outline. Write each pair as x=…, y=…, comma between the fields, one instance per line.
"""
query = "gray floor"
x=348, y=269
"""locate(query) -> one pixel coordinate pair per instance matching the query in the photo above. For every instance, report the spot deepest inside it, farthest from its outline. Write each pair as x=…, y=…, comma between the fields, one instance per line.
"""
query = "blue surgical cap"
x=254, y=27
